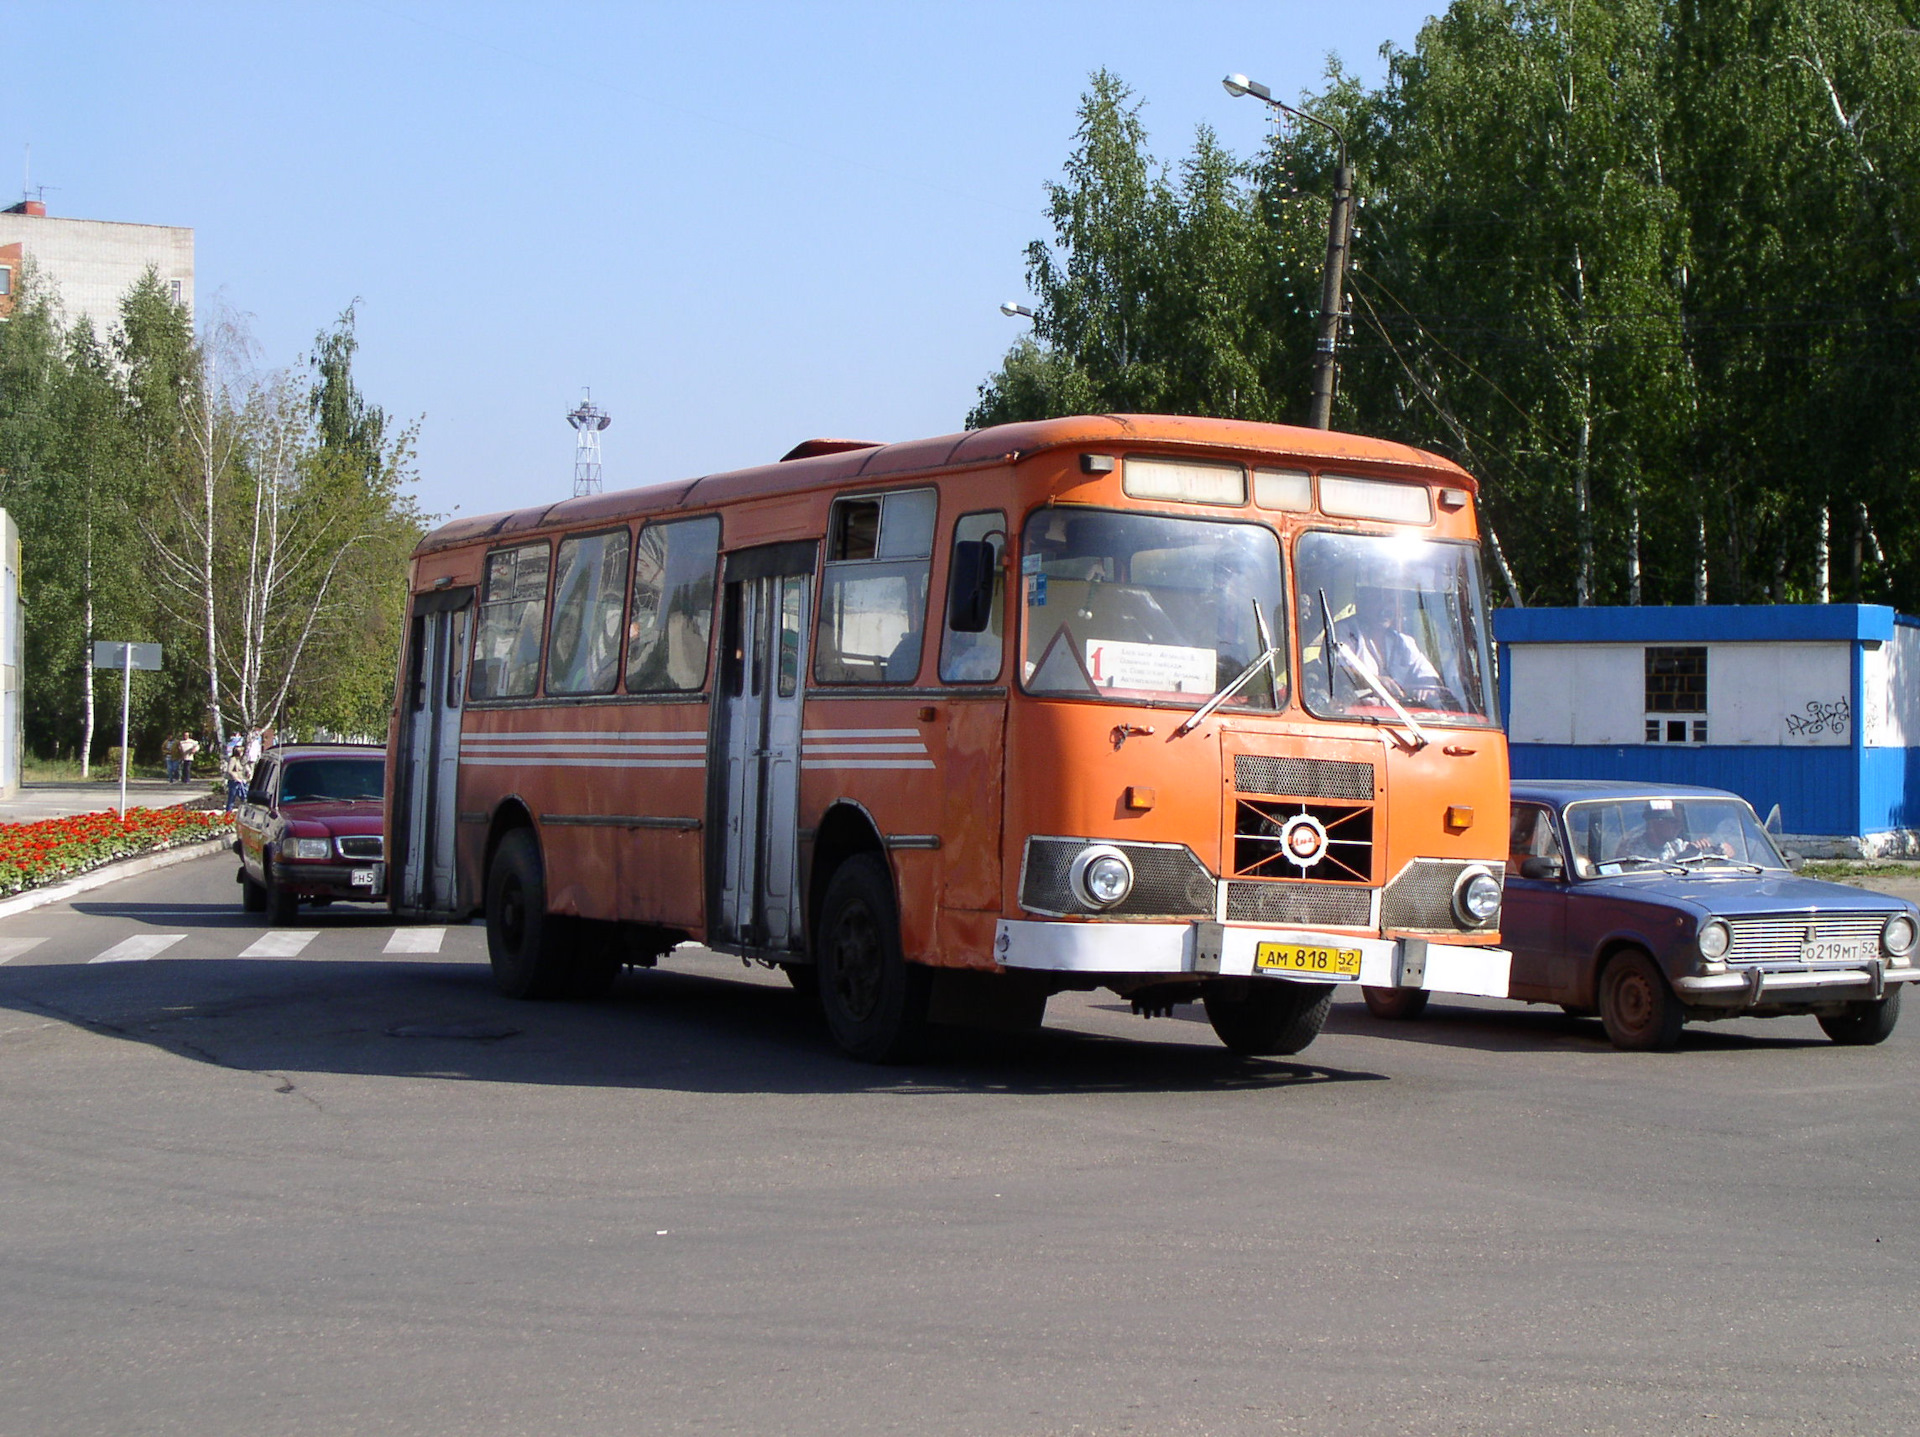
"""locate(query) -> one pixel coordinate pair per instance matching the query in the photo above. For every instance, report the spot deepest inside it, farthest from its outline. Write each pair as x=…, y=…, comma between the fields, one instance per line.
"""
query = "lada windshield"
x=1385, y=616
x=335, y=780
x=1631, y=835
x=1140, y=607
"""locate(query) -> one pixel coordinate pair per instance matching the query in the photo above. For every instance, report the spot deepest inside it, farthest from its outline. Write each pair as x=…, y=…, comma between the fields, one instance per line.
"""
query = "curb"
x=113, y=872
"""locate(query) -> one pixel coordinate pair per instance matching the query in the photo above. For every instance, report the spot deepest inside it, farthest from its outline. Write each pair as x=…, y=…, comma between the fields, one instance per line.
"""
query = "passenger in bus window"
x=1373, y=636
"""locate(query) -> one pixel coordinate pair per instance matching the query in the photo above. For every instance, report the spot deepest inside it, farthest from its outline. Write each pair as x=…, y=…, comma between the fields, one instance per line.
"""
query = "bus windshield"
x=1390, y=616
x=1145, y=607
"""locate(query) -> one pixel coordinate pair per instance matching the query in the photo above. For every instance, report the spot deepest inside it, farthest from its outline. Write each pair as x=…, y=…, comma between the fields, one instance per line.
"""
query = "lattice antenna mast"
x=587, y=421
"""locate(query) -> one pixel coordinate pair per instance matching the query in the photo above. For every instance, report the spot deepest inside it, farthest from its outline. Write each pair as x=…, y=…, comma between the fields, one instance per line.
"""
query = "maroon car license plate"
x=361, y=878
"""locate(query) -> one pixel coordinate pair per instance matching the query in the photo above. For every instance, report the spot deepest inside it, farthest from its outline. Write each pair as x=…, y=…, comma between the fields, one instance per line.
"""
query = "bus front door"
x=421, y=867
x=753, y=862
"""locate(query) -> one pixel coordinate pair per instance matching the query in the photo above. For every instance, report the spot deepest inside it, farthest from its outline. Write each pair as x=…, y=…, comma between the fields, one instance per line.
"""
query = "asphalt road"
x=347, y=1189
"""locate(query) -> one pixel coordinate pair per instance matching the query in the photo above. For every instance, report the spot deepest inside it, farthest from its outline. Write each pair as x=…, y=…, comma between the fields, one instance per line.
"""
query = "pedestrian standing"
x=253, y=748
x=235, y=769
x=188, y=749
x=170, y=751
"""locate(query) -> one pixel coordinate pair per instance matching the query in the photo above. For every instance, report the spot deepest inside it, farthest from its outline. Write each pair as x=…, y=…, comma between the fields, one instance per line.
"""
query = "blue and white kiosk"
x=1813, y=708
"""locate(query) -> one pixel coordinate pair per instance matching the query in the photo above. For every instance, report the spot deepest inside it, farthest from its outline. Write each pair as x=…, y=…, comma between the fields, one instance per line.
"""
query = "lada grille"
x=371, y=847
x=1778, y=939
x=1169, y=880
x=1300, y=904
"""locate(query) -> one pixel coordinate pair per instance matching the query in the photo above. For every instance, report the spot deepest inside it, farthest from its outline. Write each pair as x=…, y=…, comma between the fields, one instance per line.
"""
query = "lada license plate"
x=361, y=878
x=1322, y=962
x=1831, y=950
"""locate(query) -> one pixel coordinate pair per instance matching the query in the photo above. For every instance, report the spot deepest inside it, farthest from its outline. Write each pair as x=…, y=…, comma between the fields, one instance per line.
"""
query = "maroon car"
x=310, y=828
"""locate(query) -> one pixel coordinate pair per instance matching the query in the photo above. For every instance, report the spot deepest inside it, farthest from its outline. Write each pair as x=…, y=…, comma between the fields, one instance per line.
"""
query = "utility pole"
x=1333, y=278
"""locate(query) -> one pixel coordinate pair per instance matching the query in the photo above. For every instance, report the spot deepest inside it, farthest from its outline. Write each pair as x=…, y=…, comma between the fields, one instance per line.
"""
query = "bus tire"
x=875, y=1002
x=1864, y=1024
x=1397, y=1005
x=1266, y=1018
x=524, y=941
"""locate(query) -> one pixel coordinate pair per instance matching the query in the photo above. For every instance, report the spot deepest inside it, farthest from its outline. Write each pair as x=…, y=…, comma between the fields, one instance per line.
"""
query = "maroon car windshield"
x=333, y=780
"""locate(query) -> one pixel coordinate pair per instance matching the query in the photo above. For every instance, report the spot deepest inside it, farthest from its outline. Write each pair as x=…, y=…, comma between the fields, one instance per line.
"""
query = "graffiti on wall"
x=1820, y=718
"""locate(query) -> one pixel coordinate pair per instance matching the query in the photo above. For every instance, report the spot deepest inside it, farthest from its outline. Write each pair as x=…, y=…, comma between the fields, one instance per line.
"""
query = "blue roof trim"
x=1697, y=624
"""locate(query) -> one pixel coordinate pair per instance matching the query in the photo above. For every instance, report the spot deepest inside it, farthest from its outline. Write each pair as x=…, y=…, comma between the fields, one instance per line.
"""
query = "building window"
x=6, y=280
x=178, y=290
x=1676, y=691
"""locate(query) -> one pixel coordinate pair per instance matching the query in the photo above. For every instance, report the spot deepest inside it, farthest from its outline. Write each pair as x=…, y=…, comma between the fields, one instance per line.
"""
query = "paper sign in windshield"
x=1116, y=664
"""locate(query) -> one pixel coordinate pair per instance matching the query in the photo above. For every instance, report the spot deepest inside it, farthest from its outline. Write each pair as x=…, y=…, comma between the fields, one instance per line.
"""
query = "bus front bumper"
x=1207, y=949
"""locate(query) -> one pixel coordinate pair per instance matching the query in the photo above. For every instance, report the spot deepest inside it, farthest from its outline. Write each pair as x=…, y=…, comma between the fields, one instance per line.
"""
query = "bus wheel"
x=875, y=1001
x=1397, y=1004
x=1268, y=1017
x=523, y=939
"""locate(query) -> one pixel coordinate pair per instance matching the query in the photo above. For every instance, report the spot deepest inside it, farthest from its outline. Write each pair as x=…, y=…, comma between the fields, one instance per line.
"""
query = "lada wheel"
x=874, y=1000
x=1864, y=1024
x=523, y=939
x=1636, y=1005
x=1395, y=1004
x=1266, y=1017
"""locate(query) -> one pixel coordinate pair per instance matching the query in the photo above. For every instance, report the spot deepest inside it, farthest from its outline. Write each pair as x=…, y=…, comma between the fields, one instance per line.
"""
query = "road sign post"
x=126, y=658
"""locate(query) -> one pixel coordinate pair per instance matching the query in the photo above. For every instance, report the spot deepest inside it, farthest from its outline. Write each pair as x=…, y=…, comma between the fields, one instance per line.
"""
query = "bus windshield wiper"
x=1361, y=667
x=1268, y=660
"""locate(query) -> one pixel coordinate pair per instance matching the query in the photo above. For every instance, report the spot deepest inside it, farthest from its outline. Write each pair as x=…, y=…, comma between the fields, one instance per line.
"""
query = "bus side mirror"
x=1540, y=867
x=970, y=586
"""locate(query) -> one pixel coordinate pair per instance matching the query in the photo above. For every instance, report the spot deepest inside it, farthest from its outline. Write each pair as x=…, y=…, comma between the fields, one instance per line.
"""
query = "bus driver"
x=1390, y=652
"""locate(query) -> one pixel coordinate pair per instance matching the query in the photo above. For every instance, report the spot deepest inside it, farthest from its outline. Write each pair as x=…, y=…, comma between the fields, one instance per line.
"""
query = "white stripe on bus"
x=864, y=748
x=860, y=733
x=535, y=761
x=641, y=750
x=542, y=735
x=866, y=763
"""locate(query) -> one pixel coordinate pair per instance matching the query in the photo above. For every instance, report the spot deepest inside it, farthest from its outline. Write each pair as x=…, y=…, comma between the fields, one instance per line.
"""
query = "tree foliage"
x=1650, y=268
x=256, y=523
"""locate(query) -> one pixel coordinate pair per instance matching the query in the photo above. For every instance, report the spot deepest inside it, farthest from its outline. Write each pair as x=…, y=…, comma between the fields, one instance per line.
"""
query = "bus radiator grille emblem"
x=1297, y=838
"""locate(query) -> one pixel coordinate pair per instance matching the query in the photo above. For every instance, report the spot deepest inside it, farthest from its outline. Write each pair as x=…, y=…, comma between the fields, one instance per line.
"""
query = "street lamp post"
x=1011, y=310
x=1332, y=280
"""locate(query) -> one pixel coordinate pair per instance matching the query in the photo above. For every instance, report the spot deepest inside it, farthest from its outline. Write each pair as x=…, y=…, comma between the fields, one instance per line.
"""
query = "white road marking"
x=11, y=948
x=138, y=948
x=416, y=940
x=287, y=944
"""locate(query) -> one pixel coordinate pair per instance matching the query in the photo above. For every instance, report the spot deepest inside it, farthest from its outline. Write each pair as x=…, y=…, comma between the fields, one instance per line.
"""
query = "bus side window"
x=972, y=653
x=589, y=592
x=674, y=567
x=513, y=613
x=873, y=599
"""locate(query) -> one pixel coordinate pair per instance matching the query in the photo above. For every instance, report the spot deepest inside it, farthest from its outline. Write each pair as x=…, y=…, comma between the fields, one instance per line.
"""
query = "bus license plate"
x=1307, y=958
x=1862, y=950
x=361, y=878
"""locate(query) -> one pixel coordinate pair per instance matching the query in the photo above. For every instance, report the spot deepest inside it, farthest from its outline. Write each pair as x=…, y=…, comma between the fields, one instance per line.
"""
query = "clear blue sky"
x=742, y=225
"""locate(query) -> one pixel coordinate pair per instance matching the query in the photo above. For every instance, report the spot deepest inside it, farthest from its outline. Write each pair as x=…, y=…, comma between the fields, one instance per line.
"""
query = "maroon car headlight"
x=1715, y=939
x=318, y=849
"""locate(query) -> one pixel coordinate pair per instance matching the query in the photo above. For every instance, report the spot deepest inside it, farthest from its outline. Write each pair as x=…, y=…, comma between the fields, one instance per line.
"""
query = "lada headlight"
x=315, y=848
x=1476, y=898
x=1897, y=937
x=1715, y=939
x=1101, y=876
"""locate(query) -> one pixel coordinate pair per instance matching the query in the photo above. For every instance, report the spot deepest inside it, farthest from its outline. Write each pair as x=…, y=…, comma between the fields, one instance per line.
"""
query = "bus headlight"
x=315, y=848
x=1897, y=936
x=1101, y=876
x=1715, y=939
x=1476, y=898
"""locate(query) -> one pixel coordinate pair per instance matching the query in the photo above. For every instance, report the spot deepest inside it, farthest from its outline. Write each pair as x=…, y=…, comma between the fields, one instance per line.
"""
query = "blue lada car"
x=1654, y=905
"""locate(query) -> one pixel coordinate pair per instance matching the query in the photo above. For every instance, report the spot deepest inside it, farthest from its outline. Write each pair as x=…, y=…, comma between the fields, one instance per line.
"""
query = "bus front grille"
x=1302, y=777
x=1169, y=880
x=1330, y=904
x=1421, y=898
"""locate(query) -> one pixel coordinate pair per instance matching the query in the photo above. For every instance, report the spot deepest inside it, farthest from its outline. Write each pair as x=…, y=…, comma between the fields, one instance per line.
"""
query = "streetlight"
x=1010, y=309
x=1333, y=277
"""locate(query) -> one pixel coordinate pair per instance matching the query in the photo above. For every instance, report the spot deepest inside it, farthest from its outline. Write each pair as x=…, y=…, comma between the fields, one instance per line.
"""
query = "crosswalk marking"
x=11, y=948
x=416, y=940
x=288, y=943
x=140, y=946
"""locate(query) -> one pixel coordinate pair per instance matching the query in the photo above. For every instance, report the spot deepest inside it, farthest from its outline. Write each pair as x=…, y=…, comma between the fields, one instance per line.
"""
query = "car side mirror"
x=1541, y=867
x=970, y=586
x=1795, y=861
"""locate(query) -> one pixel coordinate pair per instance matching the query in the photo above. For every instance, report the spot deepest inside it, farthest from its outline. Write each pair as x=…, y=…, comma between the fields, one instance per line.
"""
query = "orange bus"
x=1194, y=710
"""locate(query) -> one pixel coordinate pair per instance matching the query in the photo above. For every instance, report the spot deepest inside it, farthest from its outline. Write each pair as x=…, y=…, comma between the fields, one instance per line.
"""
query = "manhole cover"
x=471, y=1032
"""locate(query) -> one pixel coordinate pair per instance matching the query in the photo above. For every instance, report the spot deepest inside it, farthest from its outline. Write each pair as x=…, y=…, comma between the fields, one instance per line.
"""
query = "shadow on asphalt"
x=660, y=1029
x=231, y=915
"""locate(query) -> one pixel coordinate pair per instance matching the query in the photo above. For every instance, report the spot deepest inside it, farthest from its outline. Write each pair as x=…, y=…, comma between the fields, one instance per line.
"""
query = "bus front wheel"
x=523, y=939
x=1266, y=1017
x=874, y=1000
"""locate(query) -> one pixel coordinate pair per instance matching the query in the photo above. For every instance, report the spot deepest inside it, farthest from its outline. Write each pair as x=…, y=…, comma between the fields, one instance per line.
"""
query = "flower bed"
x=33, y=854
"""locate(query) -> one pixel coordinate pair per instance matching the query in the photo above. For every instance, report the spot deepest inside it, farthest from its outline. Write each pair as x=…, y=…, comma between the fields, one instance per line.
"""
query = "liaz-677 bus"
x=1193, y=710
